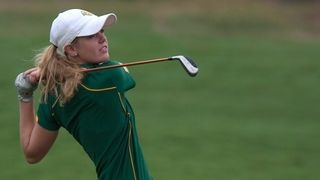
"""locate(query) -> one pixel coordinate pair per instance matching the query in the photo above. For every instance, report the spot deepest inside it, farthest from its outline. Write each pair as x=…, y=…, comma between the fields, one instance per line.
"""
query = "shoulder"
x=115, y=62
x=106, y=63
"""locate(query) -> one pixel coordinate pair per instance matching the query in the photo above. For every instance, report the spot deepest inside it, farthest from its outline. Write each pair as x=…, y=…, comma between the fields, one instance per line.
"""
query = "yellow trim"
x=130, y=153
x=37, y=119
x=129, y=138
x=121, y=102
x=97, y=90
x=56, y=101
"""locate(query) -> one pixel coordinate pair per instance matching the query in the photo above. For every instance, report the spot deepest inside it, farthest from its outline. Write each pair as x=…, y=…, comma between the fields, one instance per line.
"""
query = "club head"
x=188, y=64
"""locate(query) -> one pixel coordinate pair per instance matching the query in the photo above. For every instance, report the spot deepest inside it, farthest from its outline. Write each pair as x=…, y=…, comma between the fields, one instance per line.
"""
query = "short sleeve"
x=45, y=117
x=129, y=82
x=122, y=78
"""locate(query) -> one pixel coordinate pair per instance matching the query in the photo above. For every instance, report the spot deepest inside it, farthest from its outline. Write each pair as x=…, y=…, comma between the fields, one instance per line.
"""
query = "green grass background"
x=250, y=114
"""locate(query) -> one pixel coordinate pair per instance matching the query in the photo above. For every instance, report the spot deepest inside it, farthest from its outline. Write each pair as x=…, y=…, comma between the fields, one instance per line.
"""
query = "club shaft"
x=128, y=64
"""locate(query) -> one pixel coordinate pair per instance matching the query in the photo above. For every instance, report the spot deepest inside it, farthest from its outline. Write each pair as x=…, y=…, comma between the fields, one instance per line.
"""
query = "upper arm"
x=40, y=142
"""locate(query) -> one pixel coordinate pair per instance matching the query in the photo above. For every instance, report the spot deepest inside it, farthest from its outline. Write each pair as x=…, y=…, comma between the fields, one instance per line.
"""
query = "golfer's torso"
x=98, y=118
x=112, y=142
x=101, y=119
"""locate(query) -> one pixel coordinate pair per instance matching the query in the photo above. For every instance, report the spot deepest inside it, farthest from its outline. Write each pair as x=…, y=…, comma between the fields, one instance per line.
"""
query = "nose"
x=102, y=37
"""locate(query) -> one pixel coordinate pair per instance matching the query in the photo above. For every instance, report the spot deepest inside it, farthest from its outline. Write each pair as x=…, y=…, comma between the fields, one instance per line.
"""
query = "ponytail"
x=58, y=75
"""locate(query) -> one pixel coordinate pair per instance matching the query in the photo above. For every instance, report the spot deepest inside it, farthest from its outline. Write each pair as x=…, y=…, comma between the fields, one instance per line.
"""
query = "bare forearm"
x=27, y=123
x=35, y=140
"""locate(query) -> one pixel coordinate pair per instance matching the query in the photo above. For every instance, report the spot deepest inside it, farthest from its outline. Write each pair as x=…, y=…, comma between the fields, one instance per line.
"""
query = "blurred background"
x=250, y=114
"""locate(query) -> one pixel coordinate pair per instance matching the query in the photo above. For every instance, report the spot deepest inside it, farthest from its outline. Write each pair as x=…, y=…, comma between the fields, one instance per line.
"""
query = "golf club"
x=188, y=64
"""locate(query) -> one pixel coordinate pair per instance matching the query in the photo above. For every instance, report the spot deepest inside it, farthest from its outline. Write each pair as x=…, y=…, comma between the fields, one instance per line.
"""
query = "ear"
x=70, y=50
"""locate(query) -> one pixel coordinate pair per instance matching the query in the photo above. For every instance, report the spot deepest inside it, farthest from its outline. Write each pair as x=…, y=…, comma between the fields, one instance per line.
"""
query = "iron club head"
x=188, y=64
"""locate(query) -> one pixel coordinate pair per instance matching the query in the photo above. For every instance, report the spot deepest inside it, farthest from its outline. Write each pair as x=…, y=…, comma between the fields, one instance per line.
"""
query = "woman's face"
x=92, y=49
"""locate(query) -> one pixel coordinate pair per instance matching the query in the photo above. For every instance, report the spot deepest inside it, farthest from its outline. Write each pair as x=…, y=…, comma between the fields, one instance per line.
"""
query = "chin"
x=102, y=59
x=105, y=56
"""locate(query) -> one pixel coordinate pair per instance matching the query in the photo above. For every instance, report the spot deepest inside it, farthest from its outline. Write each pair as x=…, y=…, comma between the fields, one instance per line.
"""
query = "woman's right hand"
x=33, y=75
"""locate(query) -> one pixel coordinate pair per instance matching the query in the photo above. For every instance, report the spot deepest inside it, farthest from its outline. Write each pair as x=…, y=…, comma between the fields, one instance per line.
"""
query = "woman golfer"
x=92, y=107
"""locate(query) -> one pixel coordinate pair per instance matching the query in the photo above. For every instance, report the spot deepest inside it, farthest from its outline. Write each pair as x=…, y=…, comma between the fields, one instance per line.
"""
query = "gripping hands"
x=25, y=87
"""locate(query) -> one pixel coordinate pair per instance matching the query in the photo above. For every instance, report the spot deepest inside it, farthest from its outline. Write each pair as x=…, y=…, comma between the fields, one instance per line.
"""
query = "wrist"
x=24, y=98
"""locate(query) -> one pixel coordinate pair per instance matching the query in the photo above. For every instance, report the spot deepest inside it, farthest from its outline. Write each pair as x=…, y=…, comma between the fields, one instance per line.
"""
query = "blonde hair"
x=59, y=75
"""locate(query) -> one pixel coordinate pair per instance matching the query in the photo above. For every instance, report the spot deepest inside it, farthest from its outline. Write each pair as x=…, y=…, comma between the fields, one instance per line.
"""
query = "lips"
x=104, y=49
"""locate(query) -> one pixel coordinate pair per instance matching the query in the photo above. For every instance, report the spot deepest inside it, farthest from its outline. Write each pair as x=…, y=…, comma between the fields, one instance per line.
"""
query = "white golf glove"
x=25, y=88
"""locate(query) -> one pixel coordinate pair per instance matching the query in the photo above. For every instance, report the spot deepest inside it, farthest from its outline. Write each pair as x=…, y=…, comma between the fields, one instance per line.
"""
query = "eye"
x=91, y=36
x=95, y=35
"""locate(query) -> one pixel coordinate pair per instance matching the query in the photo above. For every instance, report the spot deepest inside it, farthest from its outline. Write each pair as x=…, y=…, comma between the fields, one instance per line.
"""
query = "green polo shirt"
x=101, y=119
